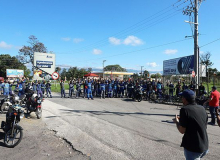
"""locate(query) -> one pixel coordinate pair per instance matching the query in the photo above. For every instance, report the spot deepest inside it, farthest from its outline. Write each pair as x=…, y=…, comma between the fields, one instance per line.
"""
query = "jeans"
x=194, y=155
x=71, y=91
x=212, y=112
x=49, y=92
x=63, y=93
x=89, y=93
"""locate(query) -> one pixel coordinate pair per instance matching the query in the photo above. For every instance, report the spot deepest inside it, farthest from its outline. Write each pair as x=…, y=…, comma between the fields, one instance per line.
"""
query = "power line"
x=139, y=50
x=210, y=42
x=133, y=27
x=139, y=30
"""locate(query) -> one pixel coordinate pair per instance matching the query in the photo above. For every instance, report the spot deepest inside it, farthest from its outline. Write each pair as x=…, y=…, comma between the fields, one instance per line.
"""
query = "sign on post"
x=177, y=66
x=55, y=76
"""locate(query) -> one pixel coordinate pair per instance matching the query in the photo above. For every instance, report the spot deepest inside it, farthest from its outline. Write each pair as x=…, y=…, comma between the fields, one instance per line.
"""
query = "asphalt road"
x=120, y=128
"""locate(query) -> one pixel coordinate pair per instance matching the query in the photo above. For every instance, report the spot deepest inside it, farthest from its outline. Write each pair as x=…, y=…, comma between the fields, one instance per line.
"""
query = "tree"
x=115, y=67
x=205, y=60
x=146, y=73
x=26, y=53
x=58, y=69
x=8, y=62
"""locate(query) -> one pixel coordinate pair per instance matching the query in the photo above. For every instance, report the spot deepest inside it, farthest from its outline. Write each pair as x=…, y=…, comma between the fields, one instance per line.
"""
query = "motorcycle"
x=138, y=94
x=13, y=131
x=33, y=104
x=4, y=103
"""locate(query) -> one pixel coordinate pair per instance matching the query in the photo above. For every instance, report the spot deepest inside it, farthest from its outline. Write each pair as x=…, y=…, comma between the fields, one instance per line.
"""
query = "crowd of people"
x=102, y=88
x=40, y=87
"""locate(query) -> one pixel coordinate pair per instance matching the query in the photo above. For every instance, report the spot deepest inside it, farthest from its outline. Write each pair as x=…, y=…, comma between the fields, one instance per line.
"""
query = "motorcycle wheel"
x=139, y=99
x=39, y=113
x=11, y=141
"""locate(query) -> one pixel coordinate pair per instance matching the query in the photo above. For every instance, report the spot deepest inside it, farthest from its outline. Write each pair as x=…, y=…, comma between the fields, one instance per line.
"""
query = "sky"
x=131, y=33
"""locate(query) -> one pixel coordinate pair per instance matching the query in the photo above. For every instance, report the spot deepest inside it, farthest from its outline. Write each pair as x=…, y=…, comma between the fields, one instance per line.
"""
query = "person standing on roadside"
x=48, y=89
x=193, y=124
x=178, y=89
x=213, y=103
x=39, y=91
x=5, y=87
x=62, y=87
x=71, y=88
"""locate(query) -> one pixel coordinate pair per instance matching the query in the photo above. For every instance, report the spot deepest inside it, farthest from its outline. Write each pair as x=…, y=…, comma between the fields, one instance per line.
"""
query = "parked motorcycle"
x=33, y=104
x=13, y=131
x=138, y=94
x=4, y=103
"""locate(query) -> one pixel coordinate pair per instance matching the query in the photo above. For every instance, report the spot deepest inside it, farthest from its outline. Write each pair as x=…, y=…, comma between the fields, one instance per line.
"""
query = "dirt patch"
x=39, y=143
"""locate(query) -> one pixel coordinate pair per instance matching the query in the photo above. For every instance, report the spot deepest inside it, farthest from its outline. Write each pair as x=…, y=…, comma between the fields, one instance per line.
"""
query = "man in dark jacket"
x=193, y=124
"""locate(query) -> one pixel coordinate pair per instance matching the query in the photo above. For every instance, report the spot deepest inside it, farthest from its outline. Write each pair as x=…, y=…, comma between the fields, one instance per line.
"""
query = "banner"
x=45, y=61
x=177, y=66
x=14, y=73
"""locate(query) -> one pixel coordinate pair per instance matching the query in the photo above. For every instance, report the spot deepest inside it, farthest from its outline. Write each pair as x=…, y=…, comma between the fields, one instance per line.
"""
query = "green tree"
x=115, y=67
x=58, y=69
x=205, y=60
x=63, y=74
x=26, y=53
x=8, y=62
x=145, y=74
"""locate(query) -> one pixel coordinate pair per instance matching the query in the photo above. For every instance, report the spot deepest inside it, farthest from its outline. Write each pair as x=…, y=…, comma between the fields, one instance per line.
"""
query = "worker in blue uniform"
x=102, y=87
x=5, y=87
x=48, y=89
x=89, y=89
x=39, y=91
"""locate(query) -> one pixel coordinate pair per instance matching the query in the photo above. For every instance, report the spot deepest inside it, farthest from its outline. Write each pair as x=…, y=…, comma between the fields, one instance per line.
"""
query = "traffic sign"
x=55, y=75
x=193, y=74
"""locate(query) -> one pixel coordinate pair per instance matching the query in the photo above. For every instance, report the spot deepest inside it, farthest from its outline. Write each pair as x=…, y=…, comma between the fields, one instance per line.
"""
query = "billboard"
x=45, y=61
x=14, y=73
x=177, y=66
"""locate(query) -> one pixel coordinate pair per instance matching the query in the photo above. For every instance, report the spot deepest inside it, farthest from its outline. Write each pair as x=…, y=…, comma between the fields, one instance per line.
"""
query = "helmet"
x=30, y=88
x=33, y=97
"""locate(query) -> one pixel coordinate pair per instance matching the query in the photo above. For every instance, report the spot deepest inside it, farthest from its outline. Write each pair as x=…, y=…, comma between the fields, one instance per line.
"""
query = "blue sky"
x=130, y=33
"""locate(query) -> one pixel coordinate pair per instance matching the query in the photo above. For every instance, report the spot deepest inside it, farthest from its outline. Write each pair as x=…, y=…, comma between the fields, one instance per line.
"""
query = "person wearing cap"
x=192, y=122
x=213, y=103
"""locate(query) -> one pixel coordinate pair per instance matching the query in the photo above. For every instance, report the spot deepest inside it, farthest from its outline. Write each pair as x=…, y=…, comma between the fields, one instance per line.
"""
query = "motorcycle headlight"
x=21, y=115
x=38, y=101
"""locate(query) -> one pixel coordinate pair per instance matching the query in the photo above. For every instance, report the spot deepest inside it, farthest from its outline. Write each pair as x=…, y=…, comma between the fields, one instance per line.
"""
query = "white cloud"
x=5, y=45
x=152, y=64
x=170, y=51
x=97, y=51
x=66, y=39
x=114, y=40
x=77, y=40
x=132, y=40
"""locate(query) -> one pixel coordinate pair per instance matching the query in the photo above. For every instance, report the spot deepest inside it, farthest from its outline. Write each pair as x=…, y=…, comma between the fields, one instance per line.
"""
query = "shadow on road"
x=2, y=134
x=116, y=113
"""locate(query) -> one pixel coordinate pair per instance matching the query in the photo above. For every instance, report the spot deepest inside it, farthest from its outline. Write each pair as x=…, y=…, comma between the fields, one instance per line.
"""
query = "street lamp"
x=103, y=67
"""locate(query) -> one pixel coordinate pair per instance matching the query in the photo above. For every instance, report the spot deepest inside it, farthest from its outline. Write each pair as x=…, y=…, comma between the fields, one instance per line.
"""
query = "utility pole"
x=196, y=47
x=141, y=71
x=103, y=69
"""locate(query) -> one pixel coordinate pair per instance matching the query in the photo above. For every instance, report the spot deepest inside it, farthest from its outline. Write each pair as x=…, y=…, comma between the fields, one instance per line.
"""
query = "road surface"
x=120, y=129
